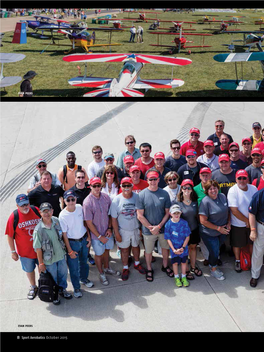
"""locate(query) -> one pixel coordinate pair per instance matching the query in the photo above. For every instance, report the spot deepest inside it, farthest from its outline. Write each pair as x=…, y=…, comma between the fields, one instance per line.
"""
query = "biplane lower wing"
x=158, y=83
x=92, y=82
x=106, y=92
x=240, y=57
x=249, y=85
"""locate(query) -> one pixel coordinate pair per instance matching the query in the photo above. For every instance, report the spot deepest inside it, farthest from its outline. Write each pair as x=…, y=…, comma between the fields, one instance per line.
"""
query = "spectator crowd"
x=207, y=194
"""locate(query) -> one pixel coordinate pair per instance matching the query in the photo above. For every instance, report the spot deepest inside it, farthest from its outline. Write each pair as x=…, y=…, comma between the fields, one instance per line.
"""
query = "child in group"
x=177, y=233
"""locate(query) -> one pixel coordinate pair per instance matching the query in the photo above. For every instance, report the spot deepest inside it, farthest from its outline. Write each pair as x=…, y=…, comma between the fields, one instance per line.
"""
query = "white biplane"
x=7, y=58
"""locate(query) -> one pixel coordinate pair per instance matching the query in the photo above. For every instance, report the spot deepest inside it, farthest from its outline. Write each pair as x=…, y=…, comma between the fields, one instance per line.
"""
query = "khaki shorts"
x=149, y=242
x=129, y=238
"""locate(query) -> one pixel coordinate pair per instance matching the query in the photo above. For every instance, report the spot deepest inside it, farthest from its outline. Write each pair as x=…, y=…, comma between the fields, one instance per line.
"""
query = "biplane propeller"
x=128, y=81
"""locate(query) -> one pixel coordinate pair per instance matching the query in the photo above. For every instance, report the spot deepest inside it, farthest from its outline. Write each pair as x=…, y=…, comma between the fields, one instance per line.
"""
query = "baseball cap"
x=109, y=156
x=256, y=124
x=22, y=199
x=159, y=155
x=194, y=130
x=187, y=181
x=134, y=168
x=209, y=142
x=175, y=208
x=223, y=157
x=69, y=193
x=40, y=161
x=191, y=152
x=128, y=159
x=45, y=206
x=233, y=144
x=152, y=174
x=246, y=140
x=95, y=180
x=206, y=170
x=242, y=173
x=256, y=151
x=126, y=180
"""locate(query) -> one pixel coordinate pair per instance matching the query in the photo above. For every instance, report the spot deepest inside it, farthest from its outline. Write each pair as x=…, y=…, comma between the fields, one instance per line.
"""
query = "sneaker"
x=65, y=294
x=56, y=302
x=237, y=266
x=140, y=268
x=178, y=282
x=185, y=282
x=217, y=275
x=77, y=293
x=113, y=272
x=32, y=292
x=87, y=283
x=91, y=259
x=125, y=274
x=103, y=279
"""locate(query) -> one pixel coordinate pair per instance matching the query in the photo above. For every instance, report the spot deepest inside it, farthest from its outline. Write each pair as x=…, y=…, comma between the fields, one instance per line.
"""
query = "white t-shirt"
x=240, y=199
x=94, y=167
x=72, y=222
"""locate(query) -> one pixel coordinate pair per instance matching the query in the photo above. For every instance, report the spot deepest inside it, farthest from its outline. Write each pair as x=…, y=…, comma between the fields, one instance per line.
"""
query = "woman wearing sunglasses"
x=171, y=179
x=110, y=183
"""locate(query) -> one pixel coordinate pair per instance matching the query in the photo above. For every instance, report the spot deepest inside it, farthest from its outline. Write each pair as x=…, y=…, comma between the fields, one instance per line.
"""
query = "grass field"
x=199, y=77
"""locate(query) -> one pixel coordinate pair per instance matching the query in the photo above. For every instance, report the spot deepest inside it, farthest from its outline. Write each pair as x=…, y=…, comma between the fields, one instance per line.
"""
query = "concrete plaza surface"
x=50, y=130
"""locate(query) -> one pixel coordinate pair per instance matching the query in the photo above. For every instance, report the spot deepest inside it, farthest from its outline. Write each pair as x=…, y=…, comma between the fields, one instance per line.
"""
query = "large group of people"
x=204, y=194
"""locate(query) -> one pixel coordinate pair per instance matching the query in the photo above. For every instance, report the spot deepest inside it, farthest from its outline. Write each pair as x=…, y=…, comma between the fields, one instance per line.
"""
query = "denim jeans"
x=213, y=245
x=78, y=267
x=59, y=272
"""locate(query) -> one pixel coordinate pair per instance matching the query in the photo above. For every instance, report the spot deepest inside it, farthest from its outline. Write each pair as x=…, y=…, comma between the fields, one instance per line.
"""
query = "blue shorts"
x=28, y=264
x=99, y=248
x=179, y=260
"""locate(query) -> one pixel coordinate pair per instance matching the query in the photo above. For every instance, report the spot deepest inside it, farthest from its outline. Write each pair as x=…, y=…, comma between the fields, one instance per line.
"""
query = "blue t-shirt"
x=256, y=205
x=177, y=232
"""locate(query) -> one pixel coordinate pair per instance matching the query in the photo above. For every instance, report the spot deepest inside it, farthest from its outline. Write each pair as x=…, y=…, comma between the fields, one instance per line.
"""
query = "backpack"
x=65, y=172
x=16, y=217
x=48, y=290
x=245, y=259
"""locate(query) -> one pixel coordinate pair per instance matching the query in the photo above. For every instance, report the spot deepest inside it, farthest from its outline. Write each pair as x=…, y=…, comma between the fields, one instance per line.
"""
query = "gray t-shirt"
x=154, y=205
x=216, y=211
x=124, y=210
x=253, y=172
x=190, y=214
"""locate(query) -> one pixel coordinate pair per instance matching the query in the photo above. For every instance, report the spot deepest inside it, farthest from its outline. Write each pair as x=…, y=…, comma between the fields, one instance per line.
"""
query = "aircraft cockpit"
x=127, y=66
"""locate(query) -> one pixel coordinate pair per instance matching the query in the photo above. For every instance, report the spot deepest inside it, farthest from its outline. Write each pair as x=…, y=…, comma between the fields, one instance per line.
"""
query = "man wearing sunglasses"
x=130, y=144
x=191, y=169
x=97, y=163
x=225, y=175
x=175, y=160
x=259, y=182
x=153, y=212
x=126, y=225
x=20, y=239
x=239, y=197
x=96, y=214
x=77, y=240
x=41, y=166
x=159, y=160
x=236, y=162
x=245, y=153
x=254, y=170
x=256, y=136
x=219, y=130
x=193, y=143
x=145, y=162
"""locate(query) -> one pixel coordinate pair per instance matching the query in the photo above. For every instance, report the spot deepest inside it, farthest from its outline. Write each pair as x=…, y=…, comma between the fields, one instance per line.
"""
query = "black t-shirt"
x=81, y=194
x=39, y=195
x=26, y=88
x=225, y=181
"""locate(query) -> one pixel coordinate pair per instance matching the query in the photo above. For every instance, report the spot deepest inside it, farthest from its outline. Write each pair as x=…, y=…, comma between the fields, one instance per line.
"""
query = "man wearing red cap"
x=153, y=212
x=254, y=170
x=126, y=225
x=191, y=169
x=239, y=197
x=225, y=176
x=245, y=153
x=209, y=158
x=236, y=162
x=159, y=160
x=259, y=182
x=193, y=143
x=138, y=183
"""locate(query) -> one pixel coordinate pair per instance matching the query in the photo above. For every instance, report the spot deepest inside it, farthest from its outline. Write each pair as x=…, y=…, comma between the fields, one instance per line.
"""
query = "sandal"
x=149, y=275
x=168, y=271
x=196, y=271
x=189, y=275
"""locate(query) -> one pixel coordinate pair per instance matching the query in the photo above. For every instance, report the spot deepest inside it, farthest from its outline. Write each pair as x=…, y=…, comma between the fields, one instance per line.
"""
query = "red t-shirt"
x=144, y=167
x=261, y=183
x=199, y=148
x=23, y=233
x=139, y=187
